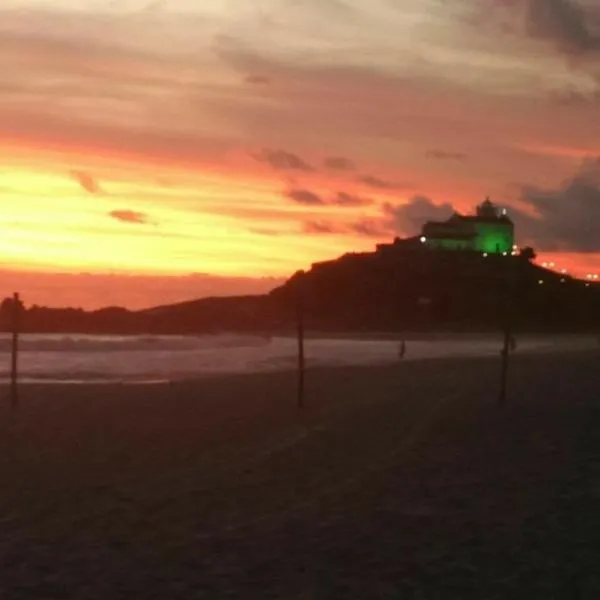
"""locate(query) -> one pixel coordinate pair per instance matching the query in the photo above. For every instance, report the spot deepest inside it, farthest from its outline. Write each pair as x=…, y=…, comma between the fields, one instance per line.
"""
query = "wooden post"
x=14, y=370
x=300, y=336
x=504, y=369
x=507, y=312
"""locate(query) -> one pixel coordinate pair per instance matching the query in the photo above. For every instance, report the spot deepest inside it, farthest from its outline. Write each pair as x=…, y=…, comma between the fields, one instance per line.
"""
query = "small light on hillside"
x=423, y=239
x=541, y=281
x=485, y=255
x=563, y=280
x=505, y=254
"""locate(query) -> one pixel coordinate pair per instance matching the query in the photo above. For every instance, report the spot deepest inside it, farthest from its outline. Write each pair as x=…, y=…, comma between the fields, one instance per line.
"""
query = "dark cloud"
x=408, y=218
x=346, y=199
x=342, y=199
x=282, y=160
x=339, y=163
x=366, y=227
x=579, y=98
x=568, y=218
x=87, y=182
x=258, y=80
x=371, y=228
x=129, y=216
x=377, y=182
x=401, y=219
x=566, y=23
x=303, y=196
x=445, y=155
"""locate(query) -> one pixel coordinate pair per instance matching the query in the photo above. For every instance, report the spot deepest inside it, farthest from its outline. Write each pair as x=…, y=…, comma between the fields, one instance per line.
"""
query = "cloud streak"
x=303, y=196
x=445, y=155
x=339, y=163
x=130, y=216
x=87, y=182
x=350, y=200
x=282, y=160
x=380, y=183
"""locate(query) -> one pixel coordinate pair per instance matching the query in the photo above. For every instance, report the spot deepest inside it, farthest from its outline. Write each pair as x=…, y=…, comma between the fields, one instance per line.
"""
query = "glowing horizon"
x=161, y=139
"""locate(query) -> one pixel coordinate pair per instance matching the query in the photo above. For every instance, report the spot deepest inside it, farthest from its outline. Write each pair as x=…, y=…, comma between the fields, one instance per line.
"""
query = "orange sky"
x=160, y=151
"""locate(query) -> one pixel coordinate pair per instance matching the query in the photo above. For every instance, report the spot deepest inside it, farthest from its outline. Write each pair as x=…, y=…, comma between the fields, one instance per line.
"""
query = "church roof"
x=479, y=219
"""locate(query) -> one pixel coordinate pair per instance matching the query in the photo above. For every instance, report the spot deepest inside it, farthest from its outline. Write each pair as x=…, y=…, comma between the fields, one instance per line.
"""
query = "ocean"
x=153, y=359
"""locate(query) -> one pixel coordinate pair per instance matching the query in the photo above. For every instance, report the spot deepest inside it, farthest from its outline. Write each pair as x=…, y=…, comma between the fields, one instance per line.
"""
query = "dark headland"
x=462, y=274
x=408, y=288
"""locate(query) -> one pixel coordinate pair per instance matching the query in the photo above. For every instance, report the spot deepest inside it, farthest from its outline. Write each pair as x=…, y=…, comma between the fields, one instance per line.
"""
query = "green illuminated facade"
x=488, y=231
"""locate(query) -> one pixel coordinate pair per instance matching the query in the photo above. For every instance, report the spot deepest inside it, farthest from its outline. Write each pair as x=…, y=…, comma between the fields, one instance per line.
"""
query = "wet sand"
x=394, y=482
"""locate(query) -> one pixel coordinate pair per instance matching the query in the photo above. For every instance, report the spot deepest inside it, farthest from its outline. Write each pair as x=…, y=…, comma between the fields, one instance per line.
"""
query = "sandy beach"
x=403, y=481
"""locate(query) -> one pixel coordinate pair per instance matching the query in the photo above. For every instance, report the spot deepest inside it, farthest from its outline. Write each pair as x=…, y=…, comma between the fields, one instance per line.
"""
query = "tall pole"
x=504, y=370
x=14, y=367
x=300, y=337
x=507, y=313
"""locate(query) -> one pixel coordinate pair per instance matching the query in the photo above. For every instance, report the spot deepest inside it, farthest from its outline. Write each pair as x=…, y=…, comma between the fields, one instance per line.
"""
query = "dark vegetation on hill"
x=416, y=290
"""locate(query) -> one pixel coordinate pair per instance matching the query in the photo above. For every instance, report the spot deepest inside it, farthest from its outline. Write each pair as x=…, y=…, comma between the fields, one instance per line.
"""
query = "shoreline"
x=312, y=365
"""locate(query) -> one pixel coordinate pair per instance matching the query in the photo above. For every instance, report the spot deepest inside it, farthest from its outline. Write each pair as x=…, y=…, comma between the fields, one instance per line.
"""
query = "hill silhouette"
x=410, y=289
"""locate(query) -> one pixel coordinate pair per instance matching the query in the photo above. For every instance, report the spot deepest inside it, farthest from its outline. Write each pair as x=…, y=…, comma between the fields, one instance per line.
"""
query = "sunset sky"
x=155, y=151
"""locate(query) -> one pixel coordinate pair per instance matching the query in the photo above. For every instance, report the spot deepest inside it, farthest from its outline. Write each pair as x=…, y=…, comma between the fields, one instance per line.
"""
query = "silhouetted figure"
x=402, y=350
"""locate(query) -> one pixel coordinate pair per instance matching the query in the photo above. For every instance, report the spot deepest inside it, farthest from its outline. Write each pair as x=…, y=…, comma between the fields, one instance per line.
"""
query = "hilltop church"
x=489, y=231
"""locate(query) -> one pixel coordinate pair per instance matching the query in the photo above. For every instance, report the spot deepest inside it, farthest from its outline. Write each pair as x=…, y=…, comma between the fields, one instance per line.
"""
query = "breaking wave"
x=158, y=359
x=147, y=343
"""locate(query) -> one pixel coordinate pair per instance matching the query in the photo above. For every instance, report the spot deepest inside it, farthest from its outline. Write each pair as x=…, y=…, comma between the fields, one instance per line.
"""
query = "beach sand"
x=404, y=481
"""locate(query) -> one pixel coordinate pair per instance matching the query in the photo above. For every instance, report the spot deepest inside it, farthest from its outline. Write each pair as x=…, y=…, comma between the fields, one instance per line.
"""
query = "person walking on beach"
x=402, y=350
